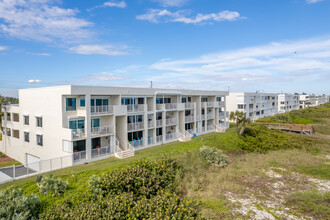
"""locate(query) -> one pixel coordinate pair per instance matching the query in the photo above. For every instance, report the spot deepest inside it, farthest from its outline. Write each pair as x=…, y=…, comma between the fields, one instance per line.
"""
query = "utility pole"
x=151, y=84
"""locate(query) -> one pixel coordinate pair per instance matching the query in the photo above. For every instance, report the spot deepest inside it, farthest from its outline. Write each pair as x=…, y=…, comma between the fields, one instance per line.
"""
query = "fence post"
x=50, y=164
x=61, y=163
x=27, y=169
x=14, y=174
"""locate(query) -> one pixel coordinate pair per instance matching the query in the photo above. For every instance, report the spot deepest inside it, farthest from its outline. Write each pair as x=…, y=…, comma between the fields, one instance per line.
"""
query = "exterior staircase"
x=185, y=137
x=219, y=128
x=121, y=152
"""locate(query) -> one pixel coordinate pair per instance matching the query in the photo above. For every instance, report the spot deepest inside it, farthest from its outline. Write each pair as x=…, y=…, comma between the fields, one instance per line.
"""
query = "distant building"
x=287, y=102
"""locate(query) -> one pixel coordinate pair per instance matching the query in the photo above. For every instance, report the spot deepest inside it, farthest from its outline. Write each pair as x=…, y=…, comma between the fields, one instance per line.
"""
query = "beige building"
x=86, y=122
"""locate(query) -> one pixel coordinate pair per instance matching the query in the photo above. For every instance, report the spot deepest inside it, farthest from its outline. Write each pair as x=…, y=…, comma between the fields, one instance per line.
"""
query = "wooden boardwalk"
x=303, y=129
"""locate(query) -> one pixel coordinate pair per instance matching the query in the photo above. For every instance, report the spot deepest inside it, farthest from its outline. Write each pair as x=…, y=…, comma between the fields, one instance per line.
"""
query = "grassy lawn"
x=9, y=163
x=265, y=166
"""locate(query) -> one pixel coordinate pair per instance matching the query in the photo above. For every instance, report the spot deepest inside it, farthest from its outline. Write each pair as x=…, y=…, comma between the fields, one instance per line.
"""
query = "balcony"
x=103, y=151
x=189, y=118
x=210, y=128
x=203, y=117
x=151, y=140
x=159, y=123
x=159, y=139
x=171, y=106
x=189, y=105
x=210, y=104
x=104, y=130
x=221, y=104
x=137, y=143
x=210, y=116
x=160, y=107
x=151, y=124
x=136, y=108
x=101, y=110
x=171, y=136
x=171, y=121
x=78, y=133
x=135, y=126
x=221, y=114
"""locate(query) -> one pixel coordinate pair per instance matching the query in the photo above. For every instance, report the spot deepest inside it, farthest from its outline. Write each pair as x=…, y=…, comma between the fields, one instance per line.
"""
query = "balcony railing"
x=79, y=156
x=137, y=143
x=135, y=126
x=203, y=117
x=151, y=140
x=189, y=105
x=135, y=108
x=159, y=106
x=171, y=121
x=103, y=151
x=169, y=106
x=200, y=130
x=189, y=118
x=221, y=114
x=209, y=116
x=104, y=130
x=210, y=128
x=151, y=124
x=101, y=110
x=78, y=133
x=159, y=123
x=221, y=104
x=170, y=136
x=159, y=139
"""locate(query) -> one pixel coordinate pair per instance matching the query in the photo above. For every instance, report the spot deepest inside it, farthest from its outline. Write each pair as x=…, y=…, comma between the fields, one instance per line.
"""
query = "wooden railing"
x=307, y=129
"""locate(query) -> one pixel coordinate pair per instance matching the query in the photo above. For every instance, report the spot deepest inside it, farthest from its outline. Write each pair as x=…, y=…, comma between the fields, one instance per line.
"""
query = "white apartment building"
x=306, y=100
x=254, y=105
x=82, y=121
x=321, y=99
x=287, y=102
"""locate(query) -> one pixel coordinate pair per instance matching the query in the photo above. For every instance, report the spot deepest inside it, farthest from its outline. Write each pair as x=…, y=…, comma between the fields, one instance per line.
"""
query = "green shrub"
x=14, y=205
x=2, y=155
x=213, y=156
x=52, y=185
x=162, y=206
x=144, y=179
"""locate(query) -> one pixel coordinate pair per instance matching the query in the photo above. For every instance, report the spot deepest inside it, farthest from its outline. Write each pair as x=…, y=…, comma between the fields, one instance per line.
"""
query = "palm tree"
x=239, y=117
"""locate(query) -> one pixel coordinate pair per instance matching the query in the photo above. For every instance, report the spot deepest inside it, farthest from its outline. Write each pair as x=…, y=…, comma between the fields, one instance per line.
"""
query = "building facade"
x=287, y=102
x=254, y=105
x=81, y=121
x=306, y=100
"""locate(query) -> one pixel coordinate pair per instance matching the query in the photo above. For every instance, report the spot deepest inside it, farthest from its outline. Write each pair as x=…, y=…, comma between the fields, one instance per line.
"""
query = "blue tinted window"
x=82, y=102
x=70, y=104
x=95, y=122
x=98, y=102
x=105, y=102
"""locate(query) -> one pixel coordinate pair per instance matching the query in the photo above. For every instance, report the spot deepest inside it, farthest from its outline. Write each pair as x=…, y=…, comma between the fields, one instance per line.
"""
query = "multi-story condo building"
x=321, y=99
x=254, y=105
x=287, y=102
x=306, y=100
x=82, y=121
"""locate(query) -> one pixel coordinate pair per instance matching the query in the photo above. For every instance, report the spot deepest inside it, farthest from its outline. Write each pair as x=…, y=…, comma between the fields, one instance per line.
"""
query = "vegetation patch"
x=318, y=171
x=52, y=185
x=213, y=156
x=2, y=155
x=312, y=203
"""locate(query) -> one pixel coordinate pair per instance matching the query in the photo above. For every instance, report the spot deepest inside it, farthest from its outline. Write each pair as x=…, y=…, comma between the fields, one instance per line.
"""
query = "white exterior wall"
x=257, y=105
x=287, y=102
x=50, y=104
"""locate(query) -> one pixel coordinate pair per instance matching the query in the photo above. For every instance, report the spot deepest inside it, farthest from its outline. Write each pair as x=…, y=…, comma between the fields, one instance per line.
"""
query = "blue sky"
x=246, y=45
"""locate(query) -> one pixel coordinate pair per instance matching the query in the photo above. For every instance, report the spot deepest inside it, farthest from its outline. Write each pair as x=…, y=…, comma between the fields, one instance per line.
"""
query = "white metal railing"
x=210, y=104
x=136, y=143
x=135, y=126
x=209, y=116
x=227, y=114
x=151, y=124
x=151, y=140
x=159, y=106
x=171, y=121
x=118, y=151
x=210, y=128
x=189, y=118
x=135, y=108
x=189, y=133
x=103, y=151
x=159, y=138
x=79, y=156
x=78, y=133
x=221, y=104
x=171, y=105
x=170, y=136
x=189, y=105
x=203, y=117
x=100, y=110
x=159, y=123
x=103, y=130
x=130, y=147
x=221, y=114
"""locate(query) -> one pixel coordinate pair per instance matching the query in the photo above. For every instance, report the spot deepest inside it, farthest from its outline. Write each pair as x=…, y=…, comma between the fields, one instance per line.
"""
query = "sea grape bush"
x=162, y=206
x=143, y=179
x=213, y=156
x=14, y=205
x=52, y=185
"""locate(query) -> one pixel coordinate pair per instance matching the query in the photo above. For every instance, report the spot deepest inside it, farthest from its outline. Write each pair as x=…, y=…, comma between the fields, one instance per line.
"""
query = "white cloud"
x=313, y=1
x=34, y=81
x=121, y=4
x=294, y=65
x=3, y=48
x=105, y=76
x=89, y=49
x=158, y=15
x=169, y=3
x=41, y=20
x=38, y=54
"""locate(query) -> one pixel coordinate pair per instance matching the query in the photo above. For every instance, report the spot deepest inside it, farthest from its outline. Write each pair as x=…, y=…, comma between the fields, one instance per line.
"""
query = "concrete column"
x=88, y=127
x=164, y=125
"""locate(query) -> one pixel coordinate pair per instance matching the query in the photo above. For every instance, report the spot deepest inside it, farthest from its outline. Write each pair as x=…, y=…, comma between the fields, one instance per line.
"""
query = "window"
x=39, y=122
x=15, y=117
x=159, y=101
x=8, y=116
x=250, y=114
x=26, y=120
x=39, y=140
x=71, y=104
x=77, y=124
x=219, y=99
x=240, y=106
x=250, y=105
x=133, y=136
x=167, y=100
x=26, y=136
x=8, y=132
x=184, y=100
x=134, y=118
x=159, y=131
x=158, y=116
x=16, y=133
x=203, y=99
x=82, y=102
x=95, y=122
